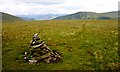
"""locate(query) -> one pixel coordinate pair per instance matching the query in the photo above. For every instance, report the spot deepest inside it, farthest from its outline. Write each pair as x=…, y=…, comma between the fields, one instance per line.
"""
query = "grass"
x=84, y=44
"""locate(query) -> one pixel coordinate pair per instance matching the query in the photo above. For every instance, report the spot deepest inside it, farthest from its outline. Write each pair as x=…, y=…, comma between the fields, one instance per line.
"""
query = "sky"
x=18, y=7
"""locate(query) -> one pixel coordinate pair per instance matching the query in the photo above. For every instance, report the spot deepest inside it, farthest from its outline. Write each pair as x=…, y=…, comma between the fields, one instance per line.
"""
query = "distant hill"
x=39, y=16
x=89, y=15
x=9, y=18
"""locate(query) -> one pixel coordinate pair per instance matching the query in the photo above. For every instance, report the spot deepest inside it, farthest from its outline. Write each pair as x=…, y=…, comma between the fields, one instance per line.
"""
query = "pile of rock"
x=40, y=52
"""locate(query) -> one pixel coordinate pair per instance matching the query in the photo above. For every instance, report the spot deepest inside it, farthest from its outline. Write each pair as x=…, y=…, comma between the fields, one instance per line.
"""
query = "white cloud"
x=56, y=6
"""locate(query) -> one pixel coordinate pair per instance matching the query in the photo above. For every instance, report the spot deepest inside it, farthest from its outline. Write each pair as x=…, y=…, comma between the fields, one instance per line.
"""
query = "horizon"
x=57, y=14
x=27, y=7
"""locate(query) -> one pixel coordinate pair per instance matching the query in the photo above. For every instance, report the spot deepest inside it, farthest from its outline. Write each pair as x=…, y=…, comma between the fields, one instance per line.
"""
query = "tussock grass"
x=84, y=44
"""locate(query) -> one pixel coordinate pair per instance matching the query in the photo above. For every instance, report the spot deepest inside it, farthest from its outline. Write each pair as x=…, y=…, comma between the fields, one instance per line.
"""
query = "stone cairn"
x=40, y=52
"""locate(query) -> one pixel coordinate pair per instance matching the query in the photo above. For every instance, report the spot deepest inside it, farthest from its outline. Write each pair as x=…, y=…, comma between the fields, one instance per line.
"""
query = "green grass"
x=84, y=44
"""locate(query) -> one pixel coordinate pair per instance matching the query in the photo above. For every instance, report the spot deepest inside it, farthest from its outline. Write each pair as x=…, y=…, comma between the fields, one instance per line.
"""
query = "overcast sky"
x=56, y=6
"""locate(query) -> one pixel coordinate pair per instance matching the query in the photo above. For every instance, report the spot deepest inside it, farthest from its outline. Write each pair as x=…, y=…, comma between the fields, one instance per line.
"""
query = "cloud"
x=93, y=5
x=56, y=6
x=43, y=3
x=40, y=2
x=119, y=5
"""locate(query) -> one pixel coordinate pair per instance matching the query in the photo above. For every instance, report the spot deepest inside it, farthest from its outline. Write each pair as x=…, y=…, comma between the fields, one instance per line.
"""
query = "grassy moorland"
x=84, y=44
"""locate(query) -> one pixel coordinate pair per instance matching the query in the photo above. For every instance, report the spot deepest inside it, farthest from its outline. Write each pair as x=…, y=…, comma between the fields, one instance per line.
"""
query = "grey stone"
x=39, y=51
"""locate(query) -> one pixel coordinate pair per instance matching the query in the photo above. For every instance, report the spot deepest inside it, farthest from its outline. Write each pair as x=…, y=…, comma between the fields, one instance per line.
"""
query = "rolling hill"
x=89, y=15
x=9, y=18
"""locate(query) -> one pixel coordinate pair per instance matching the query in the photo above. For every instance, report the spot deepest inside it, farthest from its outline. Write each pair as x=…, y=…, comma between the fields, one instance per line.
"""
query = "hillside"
x=9, y=18
x=90, y=15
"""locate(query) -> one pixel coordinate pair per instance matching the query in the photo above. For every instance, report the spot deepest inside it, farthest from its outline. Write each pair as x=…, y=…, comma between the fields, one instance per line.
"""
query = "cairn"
x=40, y=52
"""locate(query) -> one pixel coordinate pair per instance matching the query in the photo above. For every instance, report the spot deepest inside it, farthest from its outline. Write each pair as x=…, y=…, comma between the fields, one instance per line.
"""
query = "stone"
x=40, y=52
x=35, y=39
x=32, y=61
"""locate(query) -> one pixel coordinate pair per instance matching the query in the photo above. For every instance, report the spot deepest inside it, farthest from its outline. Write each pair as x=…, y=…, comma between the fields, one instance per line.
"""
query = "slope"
x=89, y=15
x=9, y=18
